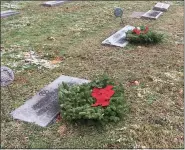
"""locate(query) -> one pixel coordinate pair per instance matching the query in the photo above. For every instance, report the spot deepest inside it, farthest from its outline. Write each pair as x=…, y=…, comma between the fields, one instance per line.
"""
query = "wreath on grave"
x=101, y=100
x=142, y=35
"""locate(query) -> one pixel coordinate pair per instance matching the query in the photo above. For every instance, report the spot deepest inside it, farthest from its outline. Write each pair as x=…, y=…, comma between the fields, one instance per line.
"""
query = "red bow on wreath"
x=146, y=30
x=102, y=95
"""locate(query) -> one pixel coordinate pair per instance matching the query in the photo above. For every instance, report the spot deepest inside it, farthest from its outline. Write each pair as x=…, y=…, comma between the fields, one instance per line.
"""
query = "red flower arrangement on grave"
x=136, y=31
x=140, y=30
x=142, y=35
x=146, y=30
x=102, y=95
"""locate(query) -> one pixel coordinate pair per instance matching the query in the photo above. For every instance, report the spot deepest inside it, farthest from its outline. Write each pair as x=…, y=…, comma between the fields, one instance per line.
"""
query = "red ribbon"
x=102, y=95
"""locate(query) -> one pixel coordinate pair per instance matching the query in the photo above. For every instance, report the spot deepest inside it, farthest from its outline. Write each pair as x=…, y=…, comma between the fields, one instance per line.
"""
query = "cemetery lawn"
x=74, y=31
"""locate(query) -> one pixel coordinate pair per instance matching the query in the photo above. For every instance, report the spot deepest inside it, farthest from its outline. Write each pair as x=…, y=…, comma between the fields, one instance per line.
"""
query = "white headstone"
x=53, y=3
x=8, y=13
x=161, y=7
x=119, y=38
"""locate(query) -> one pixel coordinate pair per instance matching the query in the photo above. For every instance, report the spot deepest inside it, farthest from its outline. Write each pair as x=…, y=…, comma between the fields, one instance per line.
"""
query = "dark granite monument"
x=152, y=14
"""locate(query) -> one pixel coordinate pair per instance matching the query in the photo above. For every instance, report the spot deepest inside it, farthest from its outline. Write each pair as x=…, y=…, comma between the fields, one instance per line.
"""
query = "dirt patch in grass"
x=156, y=118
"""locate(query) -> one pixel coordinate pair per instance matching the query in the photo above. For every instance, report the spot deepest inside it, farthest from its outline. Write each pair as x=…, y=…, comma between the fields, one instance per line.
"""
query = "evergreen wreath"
x=142, y=35
x=78, y=102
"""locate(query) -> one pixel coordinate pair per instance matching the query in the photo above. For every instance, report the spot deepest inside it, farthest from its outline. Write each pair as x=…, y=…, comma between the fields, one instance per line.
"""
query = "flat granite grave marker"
x=8, y=13
x=119, y=38
x=53, y=3
x=152, y=14
x=161, y=7
x=137, y=14
x=42, y=108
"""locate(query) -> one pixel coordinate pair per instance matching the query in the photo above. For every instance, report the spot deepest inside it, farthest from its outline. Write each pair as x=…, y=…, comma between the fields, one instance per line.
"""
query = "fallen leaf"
x=181, y=92
x=59, y=58
x=132, y=83
x=21, y=80
x=62, y=129
x=180, y=102
x=56, y=60
x=58, y=118
x=136, y=83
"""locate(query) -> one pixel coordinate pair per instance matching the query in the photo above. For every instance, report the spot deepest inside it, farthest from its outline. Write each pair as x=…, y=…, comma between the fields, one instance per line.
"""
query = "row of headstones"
x=119, y=38
x=157, y=11
x=47, y=4
x=152, y=14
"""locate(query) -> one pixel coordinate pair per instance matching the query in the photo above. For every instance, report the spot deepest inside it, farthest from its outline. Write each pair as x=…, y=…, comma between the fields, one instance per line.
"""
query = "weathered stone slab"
x=152, y=14
x=137, y=14
x=161, y=7
x=8, y=13
x=42, y=108
x=53, y=3
x=119, y=38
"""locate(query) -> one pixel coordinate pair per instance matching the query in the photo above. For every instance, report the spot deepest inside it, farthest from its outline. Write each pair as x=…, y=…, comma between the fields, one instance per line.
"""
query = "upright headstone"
x=42, y=108
x=7, y=77
x=118, y=12
x=152, y=14
x=8, y=13
x=53, y=3
x=161, y=7
x=119, y=38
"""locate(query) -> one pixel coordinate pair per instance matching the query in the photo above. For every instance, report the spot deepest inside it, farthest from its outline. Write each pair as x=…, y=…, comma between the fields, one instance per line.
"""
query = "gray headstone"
x=53, y=3
x=7, y=76
x=152, y=14
x=137, y=14
x=161, y=7
x=119, y=38
x=42, y=108
x=8, y=13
